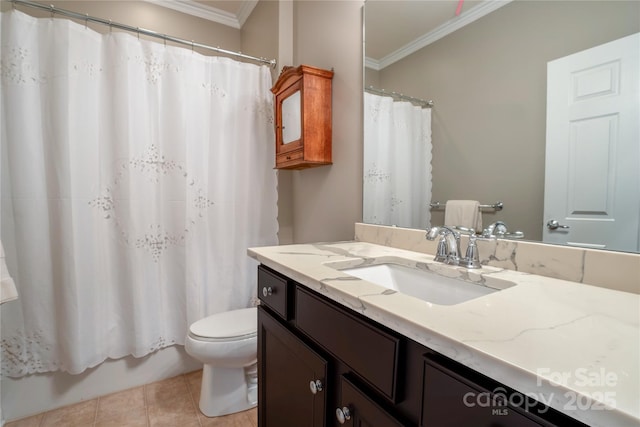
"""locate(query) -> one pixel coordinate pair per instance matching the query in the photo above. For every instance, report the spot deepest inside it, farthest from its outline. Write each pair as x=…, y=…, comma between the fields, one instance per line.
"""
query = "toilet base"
x=228, y=390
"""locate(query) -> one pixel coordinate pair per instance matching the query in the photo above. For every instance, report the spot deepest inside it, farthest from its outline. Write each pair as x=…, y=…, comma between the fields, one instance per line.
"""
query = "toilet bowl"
x=226, y=343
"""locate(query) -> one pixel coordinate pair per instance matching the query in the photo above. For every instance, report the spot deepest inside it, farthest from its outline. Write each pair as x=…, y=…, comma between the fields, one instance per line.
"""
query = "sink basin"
x=427, y=286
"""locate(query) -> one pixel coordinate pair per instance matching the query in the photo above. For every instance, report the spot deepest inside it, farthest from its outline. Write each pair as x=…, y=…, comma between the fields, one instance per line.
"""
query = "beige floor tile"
x=138, y=419
x=33, y=421
x=81, y=414
x=128, y=403
x=176, y=411
x=239, y=419
x=168, y=403
x=166, y=390
x=194, y=381
x=131, y=417
x=252, y=416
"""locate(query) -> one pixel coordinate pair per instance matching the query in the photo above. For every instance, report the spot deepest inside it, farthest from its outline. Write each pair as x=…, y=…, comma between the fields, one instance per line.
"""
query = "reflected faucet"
x=448, y=250
x=499, y=230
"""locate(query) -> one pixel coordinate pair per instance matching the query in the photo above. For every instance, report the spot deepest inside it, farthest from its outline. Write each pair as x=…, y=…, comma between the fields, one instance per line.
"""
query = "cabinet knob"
x=315, y=386
x=343, y=415
x=266, y=291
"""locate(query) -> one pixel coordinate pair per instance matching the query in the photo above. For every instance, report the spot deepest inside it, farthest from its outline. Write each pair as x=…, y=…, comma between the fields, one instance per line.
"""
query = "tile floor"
x=169, y=403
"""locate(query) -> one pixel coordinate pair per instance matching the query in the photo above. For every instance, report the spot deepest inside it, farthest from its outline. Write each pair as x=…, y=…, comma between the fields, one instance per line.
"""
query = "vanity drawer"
x=289, y=157
x=451, y=400
x=370, y=352
x=273, y=291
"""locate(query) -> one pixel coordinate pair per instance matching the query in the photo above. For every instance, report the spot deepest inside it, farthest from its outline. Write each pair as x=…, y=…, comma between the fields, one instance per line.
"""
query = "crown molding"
x=246, y=8
x=213, y=14
x=441, y=31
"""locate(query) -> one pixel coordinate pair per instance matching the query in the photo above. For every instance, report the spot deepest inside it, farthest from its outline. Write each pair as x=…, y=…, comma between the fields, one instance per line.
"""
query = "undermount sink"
x=425, y=285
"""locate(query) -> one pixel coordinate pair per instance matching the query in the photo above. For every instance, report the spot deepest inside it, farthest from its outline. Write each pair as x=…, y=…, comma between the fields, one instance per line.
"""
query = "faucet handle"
x=465, y=230
x=441, y=251
x=472, y=257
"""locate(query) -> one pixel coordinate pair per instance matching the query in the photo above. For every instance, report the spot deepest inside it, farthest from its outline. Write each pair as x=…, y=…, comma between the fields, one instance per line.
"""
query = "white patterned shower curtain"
x=134, y=177
x=397, y=163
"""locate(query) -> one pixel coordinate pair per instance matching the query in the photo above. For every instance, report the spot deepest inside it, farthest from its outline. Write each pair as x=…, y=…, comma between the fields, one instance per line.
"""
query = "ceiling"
x=401, y=27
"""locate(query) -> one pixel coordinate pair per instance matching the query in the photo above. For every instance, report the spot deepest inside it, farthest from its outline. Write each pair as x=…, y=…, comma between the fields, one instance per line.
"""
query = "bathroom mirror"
x=291, y=118
x=486, y=71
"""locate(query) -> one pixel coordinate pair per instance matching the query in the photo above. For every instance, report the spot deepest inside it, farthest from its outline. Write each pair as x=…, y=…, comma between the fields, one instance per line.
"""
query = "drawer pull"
x=343, y=415
x=267, y=291
x=315, y=386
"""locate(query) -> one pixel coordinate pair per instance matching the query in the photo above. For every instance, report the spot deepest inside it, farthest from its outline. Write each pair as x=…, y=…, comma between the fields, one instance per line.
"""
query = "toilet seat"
x=228, y=326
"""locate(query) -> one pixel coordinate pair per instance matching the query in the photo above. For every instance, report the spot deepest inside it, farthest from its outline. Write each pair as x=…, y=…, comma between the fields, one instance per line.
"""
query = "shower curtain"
x=397, y=163
x=134, y=177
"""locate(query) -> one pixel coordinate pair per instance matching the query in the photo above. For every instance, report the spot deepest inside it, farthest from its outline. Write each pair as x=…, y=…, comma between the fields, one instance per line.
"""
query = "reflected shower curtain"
x=397, y=163
x=134, y=177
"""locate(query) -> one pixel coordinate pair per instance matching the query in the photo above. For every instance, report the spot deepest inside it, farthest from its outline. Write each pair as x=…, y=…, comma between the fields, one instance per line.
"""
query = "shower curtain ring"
x=86, y=20
x=52, y=10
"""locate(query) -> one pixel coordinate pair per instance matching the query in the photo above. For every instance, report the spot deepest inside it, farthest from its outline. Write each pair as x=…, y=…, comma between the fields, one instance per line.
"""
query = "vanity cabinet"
x=322, y=364
x=303, y=117
x=292, y=375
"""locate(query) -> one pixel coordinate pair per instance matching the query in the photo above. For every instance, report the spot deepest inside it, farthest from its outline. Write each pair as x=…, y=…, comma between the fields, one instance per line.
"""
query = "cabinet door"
x=286, y=369
x=450, y=400
x=359, y=410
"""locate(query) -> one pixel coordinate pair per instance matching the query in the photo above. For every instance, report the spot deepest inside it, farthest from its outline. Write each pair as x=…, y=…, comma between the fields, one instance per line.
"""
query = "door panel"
x=592, y=166
x=362, y=410
x=286, y=368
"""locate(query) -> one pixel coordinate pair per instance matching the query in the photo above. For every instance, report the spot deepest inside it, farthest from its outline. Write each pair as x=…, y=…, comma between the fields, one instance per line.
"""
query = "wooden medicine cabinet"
x=303, y=117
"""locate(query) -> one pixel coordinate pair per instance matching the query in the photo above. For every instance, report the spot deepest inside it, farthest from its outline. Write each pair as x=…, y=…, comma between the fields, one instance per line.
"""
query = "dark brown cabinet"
x=450, y=400
x=358, y=409
x=292, y=378
x=321, y=364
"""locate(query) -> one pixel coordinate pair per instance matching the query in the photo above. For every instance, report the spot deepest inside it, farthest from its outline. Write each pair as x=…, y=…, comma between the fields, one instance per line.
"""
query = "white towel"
x=8, y=290
x=463, y=213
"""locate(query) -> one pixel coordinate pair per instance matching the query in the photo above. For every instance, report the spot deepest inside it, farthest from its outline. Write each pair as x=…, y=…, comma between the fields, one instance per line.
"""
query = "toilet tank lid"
x=228, y=324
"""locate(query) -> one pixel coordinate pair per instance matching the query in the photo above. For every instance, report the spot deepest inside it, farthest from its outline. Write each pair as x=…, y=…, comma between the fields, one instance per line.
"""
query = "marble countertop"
x=572, y=346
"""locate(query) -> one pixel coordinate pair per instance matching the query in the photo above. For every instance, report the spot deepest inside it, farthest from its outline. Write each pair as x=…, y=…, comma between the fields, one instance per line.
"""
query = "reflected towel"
x=463, y=213
x=8, y=290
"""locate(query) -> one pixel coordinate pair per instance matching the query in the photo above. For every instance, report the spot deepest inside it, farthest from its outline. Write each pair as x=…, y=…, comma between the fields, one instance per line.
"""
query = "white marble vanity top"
x=575, y=347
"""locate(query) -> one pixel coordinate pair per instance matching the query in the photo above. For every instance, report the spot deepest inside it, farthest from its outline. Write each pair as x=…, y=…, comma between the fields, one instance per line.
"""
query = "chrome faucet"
x=448, y=246
x=448, y=250
x=496, y=229
x=499, y=230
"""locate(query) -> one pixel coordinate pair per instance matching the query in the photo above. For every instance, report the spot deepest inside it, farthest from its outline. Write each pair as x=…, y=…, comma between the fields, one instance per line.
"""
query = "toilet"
x=227, y=344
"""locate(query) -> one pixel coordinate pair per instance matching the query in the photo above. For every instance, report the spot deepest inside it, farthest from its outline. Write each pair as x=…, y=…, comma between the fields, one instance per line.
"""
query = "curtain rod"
x=424, y=103
x=111, y=24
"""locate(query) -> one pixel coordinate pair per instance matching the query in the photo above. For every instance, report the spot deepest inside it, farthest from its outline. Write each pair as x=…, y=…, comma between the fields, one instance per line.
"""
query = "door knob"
x=343, y=414
x=553, y=224
x=315, y=386
x=266, y=291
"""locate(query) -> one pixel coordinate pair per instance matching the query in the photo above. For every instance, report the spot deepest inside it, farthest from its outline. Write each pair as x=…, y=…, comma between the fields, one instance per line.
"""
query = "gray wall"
x=488, y=82
x=327, y=201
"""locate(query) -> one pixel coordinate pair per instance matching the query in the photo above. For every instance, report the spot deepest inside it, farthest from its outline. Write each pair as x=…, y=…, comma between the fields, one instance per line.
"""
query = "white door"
x=592, y=166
